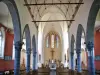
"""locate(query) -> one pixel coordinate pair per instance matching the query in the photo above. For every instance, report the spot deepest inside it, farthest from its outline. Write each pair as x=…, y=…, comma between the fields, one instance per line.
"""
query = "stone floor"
x=52, y=72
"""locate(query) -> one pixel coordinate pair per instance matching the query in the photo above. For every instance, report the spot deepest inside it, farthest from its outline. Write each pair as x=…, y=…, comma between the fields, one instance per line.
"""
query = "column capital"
x=78, y=50
x=28, y=51
x=34, y=54
x=18, y=45
x=90, y=46
x=72, y=53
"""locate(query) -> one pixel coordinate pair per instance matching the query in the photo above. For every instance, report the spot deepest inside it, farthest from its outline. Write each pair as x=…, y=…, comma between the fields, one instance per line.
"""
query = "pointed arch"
x=80, y=30
x=91, y=21
x=17, y=32
x=28, y=36
x=90, y=35
x=15, y=18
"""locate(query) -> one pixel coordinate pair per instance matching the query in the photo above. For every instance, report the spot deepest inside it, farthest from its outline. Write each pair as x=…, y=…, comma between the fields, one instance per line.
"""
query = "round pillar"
x=72, y=60
x=79, y=60
x=91, y=65
x=18, y=46
x=28, y=53
x=34, y=60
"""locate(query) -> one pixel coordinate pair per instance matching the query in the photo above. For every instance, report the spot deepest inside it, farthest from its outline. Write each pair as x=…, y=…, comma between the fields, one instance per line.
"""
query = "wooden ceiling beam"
x=32, y=16
x=76, y=10
x=53, y=21
x=51, y=4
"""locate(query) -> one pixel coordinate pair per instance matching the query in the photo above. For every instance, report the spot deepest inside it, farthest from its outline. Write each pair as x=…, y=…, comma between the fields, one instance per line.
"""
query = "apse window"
x=57, y=41
x=2, y=42
x=52, y=41
x=47, y=42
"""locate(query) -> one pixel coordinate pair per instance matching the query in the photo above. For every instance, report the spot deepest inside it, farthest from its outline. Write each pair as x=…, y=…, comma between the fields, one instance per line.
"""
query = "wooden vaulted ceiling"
x=38, y=8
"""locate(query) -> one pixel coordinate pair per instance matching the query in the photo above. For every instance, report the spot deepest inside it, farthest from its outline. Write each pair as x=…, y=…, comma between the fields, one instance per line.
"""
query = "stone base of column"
x=35, y=72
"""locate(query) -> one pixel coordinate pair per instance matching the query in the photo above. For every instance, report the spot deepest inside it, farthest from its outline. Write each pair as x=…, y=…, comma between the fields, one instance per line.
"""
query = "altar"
x=52, y=67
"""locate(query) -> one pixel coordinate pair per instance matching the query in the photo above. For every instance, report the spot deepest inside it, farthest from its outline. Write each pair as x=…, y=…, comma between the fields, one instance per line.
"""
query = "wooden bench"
x=97, y=72
x=43, y=71
x=23, y=72
x=62, y=71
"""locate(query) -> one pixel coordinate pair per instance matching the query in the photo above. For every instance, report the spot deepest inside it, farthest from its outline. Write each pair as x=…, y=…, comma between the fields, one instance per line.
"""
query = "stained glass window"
x=52, y=41
x=47, y=41
x=57, y=41
x=2, y=42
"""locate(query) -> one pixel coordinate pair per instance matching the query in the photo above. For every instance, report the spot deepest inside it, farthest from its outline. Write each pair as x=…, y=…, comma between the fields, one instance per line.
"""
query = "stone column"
x=18, y=46
x=34, y=60
x=34, y=72
x=72, y=60
x=79, y=60
x=28, y=53
x=91, y=65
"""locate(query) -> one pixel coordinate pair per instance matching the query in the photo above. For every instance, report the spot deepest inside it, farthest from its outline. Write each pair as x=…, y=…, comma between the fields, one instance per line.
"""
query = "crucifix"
x=52, y=53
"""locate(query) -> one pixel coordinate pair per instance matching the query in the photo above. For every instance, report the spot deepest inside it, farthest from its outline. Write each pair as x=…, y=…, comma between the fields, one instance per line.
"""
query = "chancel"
x=49, y=37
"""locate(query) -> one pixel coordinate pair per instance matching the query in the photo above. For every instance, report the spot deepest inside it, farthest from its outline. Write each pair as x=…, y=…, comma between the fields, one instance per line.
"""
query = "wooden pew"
x=43, y=71
x=72, y=72
x=84, y=72
x=97, y=72
x=62, y=71
x=23, y=72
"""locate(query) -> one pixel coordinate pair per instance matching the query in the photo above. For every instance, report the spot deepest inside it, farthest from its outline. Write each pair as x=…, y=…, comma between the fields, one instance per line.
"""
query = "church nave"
x=49, y=37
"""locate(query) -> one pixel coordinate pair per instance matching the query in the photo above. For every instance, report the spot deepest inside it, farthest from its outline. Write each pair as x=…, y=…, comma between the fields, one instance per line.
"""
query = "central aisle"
x=53, y=72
